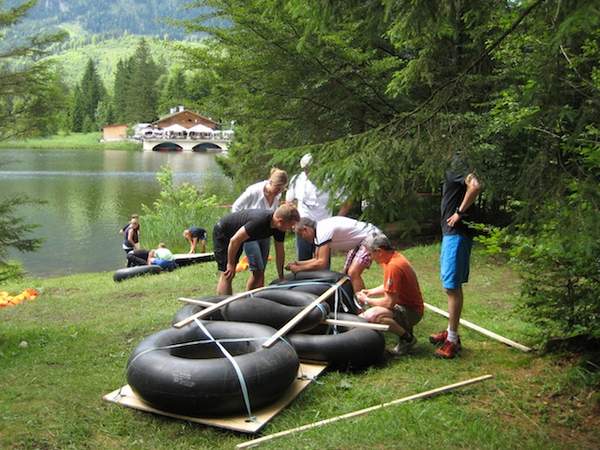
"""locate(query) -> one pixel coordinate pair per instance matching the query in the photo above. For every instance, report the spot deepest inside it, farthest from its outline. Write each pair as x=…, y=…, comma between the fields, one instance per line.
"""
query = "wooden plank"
x=302, y=314
x=344, y=323
x=306, y=374
x=215, y=306
x=361, y=412
x=350, y=324
x=481, y=330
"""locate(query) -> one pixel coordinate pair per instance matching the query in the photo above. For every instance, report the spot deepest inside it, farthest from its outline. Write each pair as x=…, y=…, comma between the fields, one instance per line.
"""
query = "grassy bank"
x=73, y=141
x=81, y=330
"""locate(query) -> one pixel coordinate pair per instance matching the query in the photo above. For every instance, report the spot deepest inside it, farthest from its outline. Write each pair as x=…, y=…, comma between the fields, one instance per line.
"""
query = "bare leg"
x=224, y=285
x=455, y=304
x=355, y=273
x=255, y=280
x=394, y=327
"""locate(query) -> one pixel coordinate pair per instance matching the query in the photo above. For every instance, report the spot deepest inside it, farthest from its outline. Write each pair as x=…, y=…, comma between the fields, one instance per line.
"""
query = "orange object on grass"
x=11, y=300
x=243, y=264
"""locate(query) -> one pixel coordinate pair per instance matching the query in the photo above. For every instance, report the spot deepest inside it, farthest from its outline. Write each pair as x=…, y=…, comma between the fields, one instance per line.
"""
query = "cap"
x=306, y=160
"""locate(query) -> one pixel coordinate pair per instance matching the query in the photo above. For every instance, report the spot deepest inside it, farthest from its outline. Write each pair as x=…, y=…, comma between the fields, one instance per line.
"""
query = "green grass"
x=82, y=329
x=72, y=141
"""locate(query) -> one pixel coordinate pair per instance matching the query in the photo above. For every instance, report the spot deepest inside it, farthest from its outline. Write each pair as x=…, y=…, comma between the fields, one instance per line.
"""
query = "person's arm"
x=193, y=243
x=235, y=243
x=319, y=263
x=279, y=258
x=388, y=300
x=150, y=256
x=345, y=208
x=473, y=190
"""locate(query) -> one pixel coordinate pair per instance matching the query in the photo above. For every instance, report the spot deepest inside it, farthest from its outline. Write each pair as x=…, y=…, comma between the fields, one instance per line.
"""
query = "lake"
x=89, y=195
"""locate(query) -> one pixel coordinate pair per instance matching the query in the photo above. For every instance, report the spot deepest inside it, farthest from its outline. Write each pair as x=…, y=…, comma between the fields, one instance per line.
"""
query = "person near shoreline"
x=162, y=257
x=336, y=233
x=137, y=257
x=131, y=238
x=262, y=195
x=248, y=225
x=397, y=302
x=195, y=236
x=458, y=195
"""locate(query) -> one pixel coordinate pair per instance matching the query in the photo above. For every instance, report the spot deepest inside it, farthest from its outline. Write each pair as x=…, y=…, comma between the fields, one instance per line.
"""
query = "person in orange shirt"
x=398, y=301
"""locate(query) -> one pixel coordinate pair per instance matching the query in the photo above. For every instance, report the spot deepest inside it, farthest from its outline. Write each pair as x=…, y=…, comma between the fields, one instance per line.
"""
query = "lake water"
x=89, y=195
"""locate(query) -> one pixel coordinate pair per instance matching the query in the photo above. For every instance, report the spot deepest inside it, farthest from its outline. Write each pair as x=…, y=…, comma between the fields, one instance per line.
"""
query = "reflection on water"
x=89, y=195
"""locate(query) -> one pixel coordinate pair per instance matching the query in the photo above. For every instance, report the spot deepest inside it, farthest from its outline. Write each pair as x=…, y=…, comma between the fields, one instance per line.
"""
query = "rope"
x=236, y=367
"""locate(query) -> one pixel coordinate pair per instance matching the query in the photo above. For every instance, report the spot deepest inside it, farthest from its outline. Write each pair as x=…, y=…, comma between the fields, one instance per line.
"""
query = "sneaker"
x=439, y=338
x=449, y=350
x=404, y=345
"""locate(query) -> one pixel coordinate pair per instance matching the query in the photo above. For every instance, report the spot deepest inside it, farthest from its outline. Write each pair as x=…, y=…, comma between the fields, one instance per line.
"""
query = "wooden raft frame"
x=306, y=374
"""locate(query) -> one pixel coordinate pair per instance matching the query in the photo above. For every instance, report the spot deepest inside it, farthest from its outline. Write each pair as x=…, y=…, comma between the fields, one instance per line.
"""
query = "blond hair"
x=288, y=213
x=278, y=177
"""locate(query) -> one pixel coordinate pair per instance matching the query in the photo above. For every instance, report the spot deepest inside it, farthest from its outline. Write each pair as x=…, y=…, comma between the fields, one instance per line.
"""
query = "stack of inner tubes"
x=317, y=282
x=217, y=365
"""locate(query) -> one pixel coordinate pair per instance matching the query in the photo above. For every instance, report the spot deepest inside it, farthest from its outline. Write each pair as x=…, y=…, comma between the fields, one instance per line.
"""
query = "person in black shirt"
x=249, y=225
x=458, y=194
x=195, y=236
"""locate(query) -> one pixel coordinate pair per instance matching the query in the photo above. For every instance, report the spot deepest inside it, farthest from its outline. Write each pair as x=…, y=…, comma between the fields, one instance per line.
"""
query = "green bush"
x=558, y=259
x=177, y=208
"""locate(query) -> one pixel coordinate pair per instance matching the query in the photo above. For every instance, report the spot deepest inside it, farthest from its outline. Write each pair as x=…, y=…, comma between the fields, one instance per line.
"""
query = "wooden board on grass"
x=185, y=259
x=307, y=373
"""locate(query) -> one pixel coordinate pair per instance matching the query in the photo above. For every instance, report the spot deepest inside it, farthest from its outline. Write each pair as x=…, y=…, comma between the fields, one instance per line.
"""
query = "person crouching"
x=398, y=301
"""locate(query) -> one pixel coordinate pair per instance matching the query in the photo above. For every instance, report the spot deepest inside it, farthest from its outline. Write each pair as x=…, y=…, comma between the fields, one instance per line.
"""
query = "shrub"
x=177, y=208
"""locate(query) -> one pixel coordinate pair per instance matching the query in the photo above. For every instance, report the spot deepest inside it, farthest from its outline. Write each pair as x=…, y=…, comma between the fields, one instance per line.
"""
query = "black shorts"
x=220, y=246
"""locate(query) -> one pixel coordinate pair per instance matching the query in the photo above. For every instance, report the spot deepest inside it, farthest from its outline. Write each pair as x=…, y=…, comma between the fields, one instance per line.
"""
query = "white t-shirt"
x=343, y=233
x=312, y=202
x=254, y=198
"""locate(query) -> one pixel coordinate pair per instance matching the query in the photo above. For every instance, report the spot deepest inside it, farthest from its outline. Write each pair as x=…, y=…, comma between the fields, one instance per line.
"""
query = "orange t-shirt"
x=400, y=278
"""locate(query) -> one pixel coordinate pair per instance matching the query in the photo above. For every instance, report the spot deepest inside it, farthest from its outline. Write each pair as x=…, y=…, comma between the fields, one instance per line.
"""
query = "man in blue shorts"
x=459, y=193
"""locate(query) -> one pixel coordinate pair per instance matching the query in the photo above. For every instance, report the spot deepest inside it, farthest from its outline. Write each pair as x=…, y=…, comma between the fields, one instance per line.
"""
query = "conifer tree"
x=142, y=91
x=122, y=77
x=77, y=110
x=24, y=83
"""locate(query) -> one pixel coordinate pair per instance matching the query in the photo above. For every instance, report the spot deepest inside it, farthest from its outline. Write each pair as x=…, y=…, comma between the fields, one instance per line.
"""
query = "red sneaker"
x=439, y=338
x=449, y=350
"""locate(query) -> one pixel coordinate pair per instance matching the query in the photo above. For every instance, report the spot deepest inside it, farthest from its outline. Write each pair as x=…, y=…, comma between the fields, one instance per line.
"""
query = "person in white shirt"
x=262, y=195
x=312, y=203
x=341, y=234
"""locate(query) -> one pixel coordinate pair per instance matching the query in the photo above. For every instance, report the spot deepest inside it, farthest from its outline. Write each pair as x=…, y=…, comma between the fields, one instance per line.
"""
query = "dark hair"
x=305, y=222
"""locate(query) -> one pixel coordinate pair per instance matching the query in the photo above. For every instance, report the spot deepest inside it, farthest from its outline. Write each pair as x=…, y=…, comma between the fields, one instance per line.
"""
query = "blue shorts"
x=454, y=260
x=257, y=253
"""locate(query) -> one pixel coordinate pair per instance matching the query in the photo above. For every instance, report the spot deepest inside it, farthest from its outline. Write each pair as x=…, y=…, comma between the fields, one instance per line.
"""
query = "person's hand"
x=293, y=267
x=453, y=219
x=362, y=296
x=230, y=272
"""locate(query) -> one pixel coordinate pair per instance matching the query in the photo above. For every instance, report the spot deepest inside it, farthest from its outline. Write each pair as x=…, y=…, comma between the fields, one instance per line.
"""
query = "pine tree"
x=121, y=86
x=92, y=92
x=77, y=111
x=23, y=86
x=142, y=92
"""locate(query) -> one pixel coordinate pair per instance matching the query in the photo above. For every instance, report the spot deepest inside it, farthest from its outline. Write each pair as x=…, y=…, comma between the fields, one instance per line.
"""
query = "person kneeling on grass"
x=162, y=257
x=401, y=306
